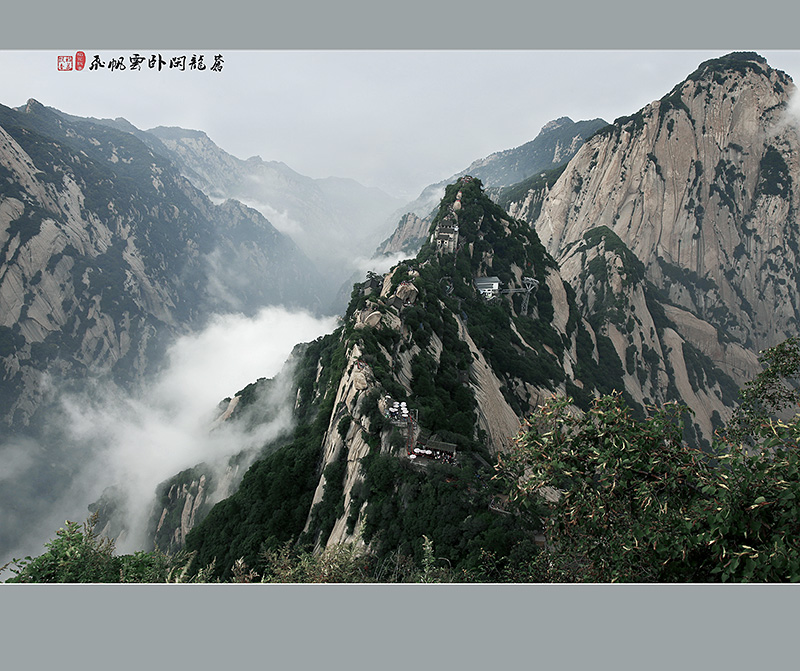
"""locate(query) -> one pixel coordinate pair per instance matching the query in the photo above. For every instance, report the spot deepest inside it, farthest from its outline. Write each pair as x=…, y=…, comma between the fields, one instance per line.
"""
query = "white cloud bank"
x=134, y=441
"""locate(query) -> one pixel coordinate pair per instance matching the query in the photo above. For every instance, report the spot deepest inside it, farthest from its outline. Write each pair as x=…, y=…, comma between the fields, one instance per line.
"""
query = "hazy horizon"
x=395, y=120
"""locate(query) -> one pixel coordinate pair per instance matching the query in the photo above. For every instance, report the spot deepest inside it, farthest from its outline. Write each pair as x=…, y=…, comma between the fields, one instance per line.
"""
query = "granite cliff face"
x=408, y=237
x=701, y=187
x=107, y=253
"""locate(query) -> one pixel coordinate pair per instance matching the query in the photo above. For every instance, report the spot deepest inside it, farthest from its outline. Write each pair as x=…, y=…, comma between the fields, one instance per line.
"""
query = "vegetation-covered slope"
x=468, y=368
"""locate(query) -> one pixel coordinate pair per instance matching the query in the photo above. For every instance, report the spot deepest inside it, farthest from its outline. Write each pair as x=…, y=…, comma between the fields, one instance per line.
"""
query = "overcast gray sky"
x=398, y=120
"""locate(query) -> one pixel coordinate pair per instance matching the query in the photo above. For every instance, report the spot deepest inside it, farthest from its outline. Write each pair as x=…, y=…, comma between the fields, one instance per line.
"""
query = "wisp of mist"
x=136, y=440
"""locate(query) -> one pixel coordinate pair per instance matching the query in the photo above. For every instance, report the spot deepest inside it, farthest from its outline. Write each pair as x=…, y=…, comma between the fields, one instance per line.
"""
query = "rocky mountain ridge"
x=107, y=251
x=700, y=187
x=468, y=366
x=557, y=142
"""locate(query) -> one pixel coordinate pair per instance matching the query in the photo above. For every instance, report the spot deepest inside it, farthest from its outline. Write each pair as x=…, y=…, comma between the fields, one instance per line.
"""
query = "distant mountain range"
x=556, y=143
x=335, y=221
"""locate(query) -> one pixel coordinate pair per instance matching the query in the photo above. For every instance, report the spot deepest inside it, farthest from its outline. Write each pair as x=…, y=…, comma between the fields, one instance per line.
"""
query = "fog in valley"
x=134, y=439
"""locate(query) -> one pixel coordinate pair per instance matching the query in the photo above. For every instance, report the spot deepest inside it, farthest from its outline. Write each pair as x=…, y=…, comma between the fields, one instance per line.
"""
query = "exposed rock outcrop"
x=106, y=253
x=701, y=187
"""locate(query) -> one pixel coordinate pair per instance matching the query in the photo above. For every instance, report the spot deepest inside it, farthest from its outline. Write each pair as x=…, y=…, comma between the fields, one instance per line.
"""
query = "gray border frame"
x=410, y=24
x=650, y=627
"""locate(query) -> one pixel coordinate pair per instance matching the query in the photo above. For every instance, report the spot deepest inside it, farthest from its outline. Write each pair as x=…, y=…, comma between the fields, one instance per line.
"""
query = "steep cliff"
x=408, y=237
x=106, y=253
x=654, y=340
x=700, y=186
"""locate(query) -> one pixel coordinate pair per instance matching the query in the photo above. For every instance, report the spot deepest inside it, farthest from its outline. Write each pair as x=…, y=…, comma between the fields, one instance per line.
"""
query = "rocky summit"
x=698, y=190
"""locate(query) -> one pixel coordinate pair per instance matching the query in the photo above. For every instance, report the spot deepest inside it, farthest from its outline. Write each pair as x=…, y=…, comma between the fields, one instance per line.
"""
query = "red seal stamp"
x=64, y=63
x=80, y=60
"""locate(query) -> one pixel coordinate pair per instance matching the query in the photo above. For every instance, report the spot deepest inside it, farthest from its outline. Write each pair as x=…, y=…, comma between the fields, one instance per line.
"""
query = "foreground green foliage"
x=622, y=499
x=78, y=554
x=618, y=498
x=769, y=394
x=616, y=490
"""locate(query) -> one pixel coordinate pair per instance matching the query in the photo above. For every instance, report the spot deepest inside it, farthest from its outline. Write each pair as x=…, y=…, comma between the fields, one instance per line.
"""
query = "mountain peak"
x=734, y=63
x=555, y=123
x=740, y=61
x=123, y=124
x=33, y=105
x=700, y=185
